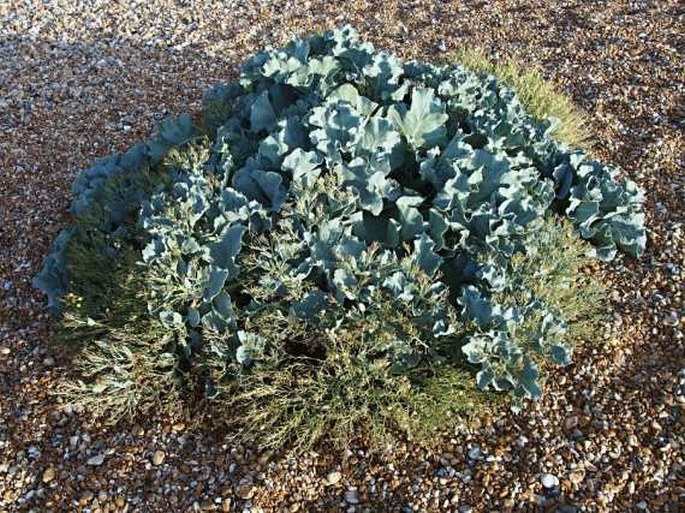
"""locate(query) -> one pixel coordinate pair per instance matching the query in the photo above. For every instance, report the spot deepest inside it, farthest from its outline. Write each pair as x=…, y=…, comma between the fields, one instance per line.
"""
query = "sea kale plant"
x=339, y=240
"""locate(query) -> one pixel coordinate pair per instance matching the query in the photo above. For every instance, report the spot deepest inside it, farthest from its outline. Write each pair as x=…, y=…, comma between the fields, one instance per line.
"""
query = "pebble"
x=333, y=477
x=352, y=497
x=245, y=491
x=549, y=481
x=671, y=319
x=4, y=350
x=48, y=475
x=570, y=422
x=96, y=460
x=475, y=453
x=86, y=497
x=576, y=477
x=158, y=458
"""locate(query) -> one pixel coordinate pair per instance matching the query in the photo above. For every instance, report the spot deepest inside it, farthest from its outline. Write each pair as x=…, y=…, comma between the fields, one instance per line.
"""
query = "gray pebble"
x=549, y=480
x=352, y=497
x=96, y=460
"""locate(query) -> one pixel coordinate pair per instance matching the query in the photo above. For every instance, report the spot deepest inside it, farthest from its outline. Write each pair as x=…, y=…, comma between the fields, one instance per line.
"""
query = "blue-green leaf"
x=423, y=124
x=262, y=115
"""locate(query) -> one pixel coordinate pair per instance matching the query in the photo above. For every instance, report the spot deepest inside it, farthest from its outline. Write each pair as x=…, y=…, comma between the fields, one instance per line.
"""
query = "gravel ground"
x=81, y=79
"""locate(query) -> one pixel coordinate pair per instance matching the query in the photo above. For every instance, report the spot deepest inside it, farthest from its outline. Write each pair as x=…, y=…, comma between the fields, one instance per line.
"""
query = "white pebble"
x=549, y=480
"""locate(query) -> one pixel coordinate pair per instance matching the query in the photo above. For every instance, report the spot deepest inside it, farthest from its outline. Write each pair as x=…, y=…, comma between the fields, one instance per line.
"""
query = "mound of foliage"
x=340, y=239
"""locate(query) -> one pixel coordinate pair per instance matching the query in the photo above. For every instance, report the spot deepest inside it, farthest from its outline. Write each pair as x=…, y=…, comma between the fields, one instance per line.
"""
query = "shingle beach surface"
x=79, y=80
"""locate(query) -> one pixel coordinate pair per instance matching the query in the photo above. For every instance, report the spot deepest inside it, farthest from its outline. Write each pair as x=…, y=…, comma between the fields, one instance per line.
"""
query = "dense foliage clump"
x=340, y=236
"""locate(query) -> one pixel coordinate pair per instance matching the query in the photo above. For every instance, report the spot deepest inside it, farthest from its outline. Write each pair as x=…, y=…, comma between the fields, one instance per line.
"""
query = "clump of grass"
x=300, y=401
x=124, y=363
x=539, y=96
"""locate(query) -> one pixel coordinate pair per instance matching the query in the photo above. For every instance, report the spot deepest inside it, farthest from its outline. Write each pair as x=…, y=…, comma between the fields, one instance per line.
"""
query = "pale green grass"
x=299, y=402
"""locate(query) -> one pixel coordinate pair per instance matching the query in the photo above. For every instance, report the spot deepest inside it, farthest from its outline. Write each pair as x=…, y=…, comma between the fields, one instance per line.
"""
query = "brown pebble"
x=48, y=475
x=158, y=458
x=86, y=497
x=245, y=491
x=576, y=477
x=333, y=478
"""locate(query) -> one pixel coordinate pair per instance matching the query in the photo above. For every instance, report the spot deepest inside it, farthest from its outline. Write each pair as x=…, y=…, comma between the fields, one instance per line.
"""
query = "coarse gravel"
x=81, y=79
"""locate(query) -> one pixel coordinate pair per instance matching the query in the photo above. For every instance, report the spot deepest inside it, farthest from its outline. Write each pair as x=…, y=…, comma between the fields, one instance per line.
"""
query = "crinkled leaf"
x=423, y=123
x=224, y=251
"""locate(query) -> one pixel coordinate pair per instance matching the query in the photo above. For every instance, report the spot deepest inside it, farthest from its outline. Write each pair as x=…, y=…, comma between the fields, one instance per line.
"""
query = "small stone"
x=48, y=475
x=86, y=497
x=576, y=477
x=641, y=505
x=120, y=501
x=158, y=458
x=475, y=453
x=226, y=505
x=4, y=350
x=49, y=361
x=465, y=509
x=96, y=460
x=207, y=506
x=549, y=481
x=671, y=319
x=352, y=497
x=333, y=478
x=571, y=422
x=521, y=441
x=245, y=491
